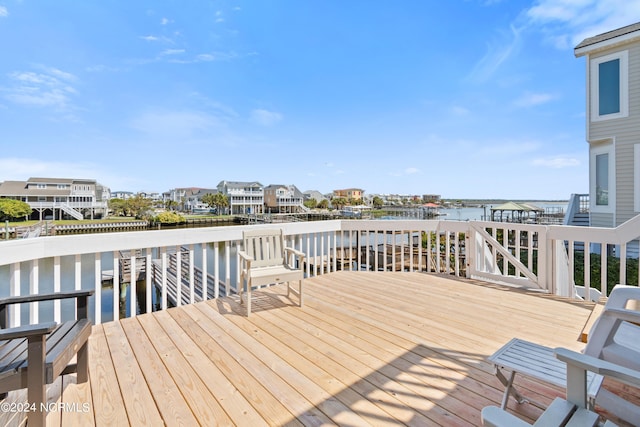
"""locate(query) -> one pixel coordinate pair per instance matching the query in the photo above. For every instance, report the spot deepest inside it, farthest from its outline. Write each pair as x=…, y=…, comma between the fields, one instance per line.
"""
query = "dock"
x=187, y=294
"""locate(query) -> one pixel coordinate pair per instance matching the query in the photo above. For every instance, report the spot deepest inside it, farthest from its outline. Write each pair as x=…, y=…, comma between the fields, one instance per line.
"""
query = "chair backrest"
x=612, y=338
x=266, y=247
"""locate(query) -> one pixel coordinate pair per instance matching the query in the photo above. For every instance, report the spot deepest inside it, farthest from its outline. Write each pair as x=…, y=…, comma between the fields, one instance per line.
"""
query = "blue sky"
x=463, y=98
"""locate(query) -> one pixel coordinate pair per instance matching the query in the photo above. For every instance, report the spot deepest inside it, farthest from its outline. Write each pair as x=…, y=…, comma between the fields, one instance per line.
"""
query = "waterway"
x=484, y=213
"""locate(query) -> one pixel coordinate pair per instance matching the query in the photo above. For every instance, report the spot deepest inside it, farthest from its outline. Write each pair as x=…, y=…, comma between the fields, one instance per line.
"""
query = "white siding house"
x=244, y=197
x=59, y=198
x=613, y=124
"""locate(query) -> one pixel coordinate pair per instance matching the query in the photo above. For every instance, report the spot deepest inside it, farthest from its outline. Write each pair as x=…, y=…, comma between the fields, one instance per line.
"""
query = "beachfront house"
x=349, y=193
x=613, y=124
x=59, y=198
x=244, y=197
x=283, y=199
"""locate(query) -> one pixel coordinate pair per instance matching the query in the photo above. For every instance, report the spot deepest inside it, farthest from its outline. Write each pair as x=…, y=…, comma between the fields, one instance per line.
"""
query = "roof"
x=520, y=207
x=19, y=188
x=608, y=39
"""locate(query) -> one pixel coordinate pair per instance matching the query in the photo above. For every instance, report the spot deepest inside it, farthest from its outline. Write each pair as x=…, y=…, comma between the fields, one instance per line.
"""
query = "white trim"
x=636, y=177
x=597, y=148
x=623, y=56
x=629, y=37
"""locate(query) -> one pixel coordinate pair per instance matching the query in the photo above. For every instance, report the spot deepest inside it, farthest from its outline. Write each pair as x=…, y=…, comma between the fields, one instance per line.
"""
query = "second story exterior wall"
x=613, y=124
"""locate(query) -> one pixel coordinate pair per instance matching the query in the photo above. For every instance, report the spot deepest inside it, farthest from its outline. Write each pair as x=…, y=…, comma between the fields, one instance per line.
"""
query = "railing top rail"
x=14, y=251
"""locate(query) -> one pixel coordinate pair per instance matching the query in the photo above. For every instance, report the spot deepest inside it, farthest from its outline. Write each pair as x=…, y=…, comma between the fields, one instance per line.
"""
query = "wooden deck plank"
x=362, y=359
x=368, y=348
x=235, y=404
x=198, y=327
x=75, y=406
x=314, y=364
x=288, y=395
x=138, y=400
x=191, y=386
x=107, y=402
x=173, y=408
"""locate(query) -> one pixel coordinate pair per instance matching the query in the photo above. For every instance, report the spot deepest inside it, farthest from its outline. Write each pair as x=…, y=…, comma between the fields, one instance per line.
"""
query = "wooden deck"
x=366, y=349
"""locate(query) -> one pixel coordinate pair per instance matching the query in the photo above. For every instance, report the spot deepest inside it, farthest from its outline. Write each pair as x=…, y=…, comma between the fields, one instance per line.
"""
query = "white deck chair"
x=265, y=260
x=572, y=411
x=615, y=338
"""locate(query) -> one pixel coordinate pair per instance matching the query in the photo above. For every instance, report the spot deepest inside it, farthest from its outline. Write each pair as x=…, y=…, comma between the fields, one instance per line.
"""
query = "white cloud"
x=497, y=53
x=149, y=38
x=265, y=117
x=411, y=171
x=559, y=162
x=23, y=168
x=3, y=12
x=457, y=110
x=164, y=21
x=567, y=22
x=533, y=99
x=172, y=52
x=49, y=88
x=176, y=124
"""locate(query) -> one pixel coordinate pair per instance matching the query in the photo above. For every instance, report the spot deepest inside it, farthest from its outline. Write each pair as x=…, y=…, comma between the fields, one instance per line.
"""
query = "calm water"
x=479, y=214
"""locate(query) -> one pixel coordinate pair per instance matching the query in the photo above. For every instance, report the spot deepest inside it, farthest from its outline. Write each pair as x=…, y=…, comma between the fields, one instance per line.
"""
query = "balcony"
x=399, y=318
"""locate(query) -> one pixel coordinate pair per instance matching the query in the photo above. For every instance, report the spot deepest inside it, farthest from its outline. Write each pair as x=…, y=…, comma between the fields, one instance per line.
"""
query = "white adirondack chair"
x=572, y=411
x=265, y=261
x=614, y=339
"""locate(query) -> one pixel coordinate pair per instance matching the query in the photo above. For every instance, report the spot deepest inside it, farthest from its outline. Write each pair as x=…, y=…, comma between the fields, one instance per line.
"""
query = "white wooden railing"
x=533, y=256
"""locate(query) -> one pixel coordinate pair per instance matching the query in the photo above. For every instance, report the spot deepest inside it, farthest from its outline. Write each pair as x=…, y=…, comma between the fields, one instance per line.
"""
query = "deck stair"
x=70, y=211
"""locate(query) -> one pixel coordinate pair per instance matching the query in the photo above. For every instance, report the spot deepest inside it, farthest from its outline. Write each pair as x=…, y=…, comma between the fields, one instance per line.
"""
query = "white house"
x=59, y=198
x=244, y=197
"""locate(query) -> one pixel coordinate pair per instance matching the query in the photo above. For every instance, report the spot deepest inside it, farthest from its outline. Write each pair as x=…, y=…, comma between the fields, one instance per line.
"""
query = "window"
x=609, y=87
x=602, y=177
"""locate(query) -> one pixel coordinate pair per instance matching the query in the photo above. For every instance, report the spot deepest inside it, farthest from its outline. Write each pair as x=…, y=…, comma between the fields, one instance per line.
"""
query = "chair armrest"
x=27, y=331
x=628, y=376
x=623, y=314
x=492, y=416
x=44, y=297
x=81, y=296
x=296, y=252
x=245, y=256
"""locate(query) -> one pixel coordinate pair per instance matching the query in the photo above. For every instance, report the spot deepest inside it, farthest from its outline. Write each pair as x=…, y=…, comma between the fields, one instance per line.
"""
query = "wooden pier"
x=187, y=294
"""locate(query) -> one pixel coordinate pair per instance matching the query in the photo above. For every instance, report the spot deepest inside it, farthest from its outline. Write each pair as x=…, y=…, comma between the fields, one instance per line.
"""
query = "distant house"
x=59, y=198
x=314, y=194
x=189, y=198
x=349, y=193
x=244, y=197
x=124, y=195
x=613, y=124
x=283, y=199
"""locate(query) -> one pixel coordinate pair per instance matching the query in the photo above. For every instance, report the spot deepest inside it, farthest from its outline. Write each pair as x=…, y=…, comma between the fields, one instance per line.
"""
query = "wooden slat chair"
x=265, y=260
x=571, y=411
x=32, y=356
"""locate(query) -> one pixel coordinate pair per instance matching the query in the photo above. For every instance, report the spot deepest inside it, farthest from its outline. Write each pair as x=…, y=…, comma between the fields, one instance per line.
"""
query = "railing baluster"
x=116, y=285
x=97, y=283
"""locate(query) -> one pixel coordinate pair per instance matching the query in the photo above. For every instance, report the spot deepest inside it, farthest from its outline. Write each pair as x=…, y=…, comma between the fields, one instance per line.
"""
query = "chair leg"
x=83, y=363
x=36, y=389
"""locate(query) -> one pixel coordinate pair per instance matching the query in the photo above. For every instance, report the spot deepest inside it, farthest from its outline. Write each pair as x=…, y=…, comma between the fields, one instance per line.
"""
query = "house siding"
x=625, y=132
